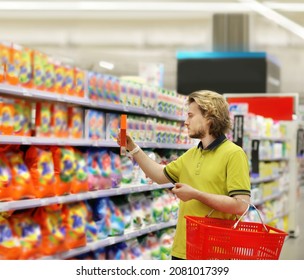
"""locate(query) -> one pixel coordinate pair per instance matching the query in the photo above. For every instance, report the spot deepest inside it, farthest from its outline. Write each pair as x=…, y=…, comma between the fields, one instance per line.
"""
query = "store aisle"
x=293, y=248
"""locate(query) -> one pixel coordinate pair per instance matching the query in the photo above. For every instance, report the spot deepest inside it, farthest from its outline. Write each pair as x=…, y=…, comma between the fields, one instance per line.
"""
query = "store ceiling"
x=129, y=32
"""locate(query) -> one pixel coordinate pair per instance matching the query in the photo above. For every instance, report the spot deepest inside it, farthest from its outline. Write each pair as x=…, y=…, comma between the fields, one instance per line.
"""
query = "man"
x=213, y=175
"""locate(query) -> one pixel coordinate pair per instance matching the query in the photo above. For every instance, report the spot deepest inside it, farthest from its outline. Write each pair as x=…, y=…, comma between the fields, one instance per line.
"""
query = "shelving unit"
x=36, y=95
x=291, y=187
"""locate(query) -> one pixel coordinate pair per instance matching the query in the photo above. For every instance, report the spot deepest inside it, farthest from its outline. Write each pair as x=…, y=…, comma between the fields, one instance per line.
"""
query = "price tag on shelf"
x=26, y=92
x=26, y=140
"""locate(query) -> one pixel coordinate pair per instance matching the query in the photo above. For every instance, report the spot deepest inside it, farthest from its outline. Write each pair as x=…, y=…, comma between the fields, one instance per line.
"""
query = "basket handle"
x=246, y=211
x=242, y=216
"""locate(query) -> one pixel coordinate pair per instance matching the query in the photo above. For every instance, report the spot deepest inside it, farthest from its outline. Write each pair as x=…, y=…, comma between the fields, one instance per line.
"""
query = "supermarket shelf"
x=38, y=202
x=270, y=197
x=92, y=246
x=24, y=140
x=265, y=179
x=18, y=91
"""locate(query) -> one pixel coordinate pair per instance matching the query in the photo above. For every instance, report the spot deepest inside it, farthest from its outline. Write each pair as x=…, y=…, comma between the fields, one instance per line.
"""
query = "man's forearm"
x=234, y=205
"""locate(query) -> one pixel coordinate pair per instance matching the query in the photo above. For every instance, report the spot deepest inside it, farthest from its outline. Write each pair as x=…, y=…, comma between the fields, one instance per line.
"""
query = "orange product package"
x=75, y=218
x=75, y=122
x=80, y=182
x=43, y=120
x=25, y=71
x=10, y=247
x=50, y=75
x=14, y=65
x=6, y=116
x=50, y=219
x=4, y=59
x=68, y=85
x=38, y=63
x=60, y=120
x=39, y=161
x=64, y=167
x=6, y=182
x=22, y=117
x=22, y=185
x=60, y=73
x=28, y=233
x=79, y=82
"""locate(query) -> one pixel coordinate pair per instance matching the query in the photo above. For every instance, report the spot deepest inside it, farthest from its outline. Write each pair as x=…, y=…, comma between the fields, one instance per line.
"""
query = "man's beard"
x=199, y=134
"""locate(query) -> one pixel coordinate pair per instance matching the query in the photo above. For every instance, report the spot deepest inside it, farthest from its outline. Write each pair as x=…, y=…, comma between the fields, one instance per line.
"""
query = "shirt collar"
x=214, y=144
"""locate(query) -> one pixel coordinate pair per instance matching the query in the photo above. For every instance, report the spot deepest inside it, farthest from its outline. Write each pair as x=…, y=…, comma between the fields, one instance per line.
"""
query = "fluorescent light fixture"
x=140, y=6
x=286, y=7
x=106, y=65
x=121, y=6
x=275, y=17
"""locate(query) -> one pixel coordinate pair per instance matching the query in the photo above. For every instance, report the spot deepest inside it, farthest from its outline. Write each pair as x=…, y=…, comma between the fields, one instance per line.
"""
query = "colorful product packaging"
x=64, y=168
x=43, y=120
x=39, y=161
x=60, y=120
x=5, y=179
x=81, y=178
x=28, y=233
x=6, y=116
x=22, y=185
x=79, y=82
x=53, y=232
x=10, y=247
x=95, y=128
x=75, y=122
x=75, y=216
x=39, y=64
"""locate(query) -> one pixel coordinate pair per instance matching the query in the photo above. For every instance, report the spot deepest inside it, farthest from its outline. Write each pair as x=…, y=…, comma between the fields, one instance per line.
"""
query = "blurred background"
x=127, y=34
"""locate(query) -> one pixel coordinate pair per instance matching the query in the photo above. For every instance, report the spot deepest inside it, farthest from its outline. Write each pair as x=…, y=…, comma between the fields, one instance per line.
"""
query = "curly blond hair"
x=214, y=108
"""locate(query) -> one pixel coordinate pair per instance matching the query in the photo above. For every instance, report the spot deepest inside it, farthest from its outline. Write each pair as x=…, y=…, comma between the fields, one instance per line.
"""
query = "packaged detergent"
x=60, y=120
x=6, y=182
x=43, y=121
x=28, y=232
x=4, y=59
x=7, y=111
x=79, y=82
x=60, y=74
x=80, y=182
x=39, y=161
x=50, y=75
x=75, y=217
x=22, y=185
x=25, y=71
x=22, y=117
x=75, y=122
x=53, y=232
x=10, y=247
x=39, y=60
x=64, y=167
x=14, y=64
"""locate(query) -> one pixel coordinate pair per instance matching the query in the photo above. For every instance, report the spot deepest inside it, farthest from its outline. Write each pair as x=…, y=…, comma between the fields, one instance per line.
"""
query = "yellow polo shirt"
x=221, y=168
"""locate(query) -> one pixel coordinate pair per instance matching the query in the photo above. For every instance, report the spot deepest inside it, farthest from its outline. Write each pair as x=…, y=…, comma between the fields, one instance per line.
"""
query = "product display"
x=66, y=184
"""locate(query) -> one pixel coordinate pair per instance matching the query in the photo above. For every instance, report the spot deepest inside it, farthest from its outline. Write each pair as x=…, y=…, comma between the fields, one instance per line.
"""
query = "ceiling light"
x=275, y=17
x=106, y=65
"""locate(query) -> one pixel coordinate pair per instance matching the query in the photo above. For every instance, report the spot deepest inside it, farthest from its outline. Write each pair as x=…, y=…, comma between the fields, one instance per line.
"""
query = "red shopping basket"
x=218, y=239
